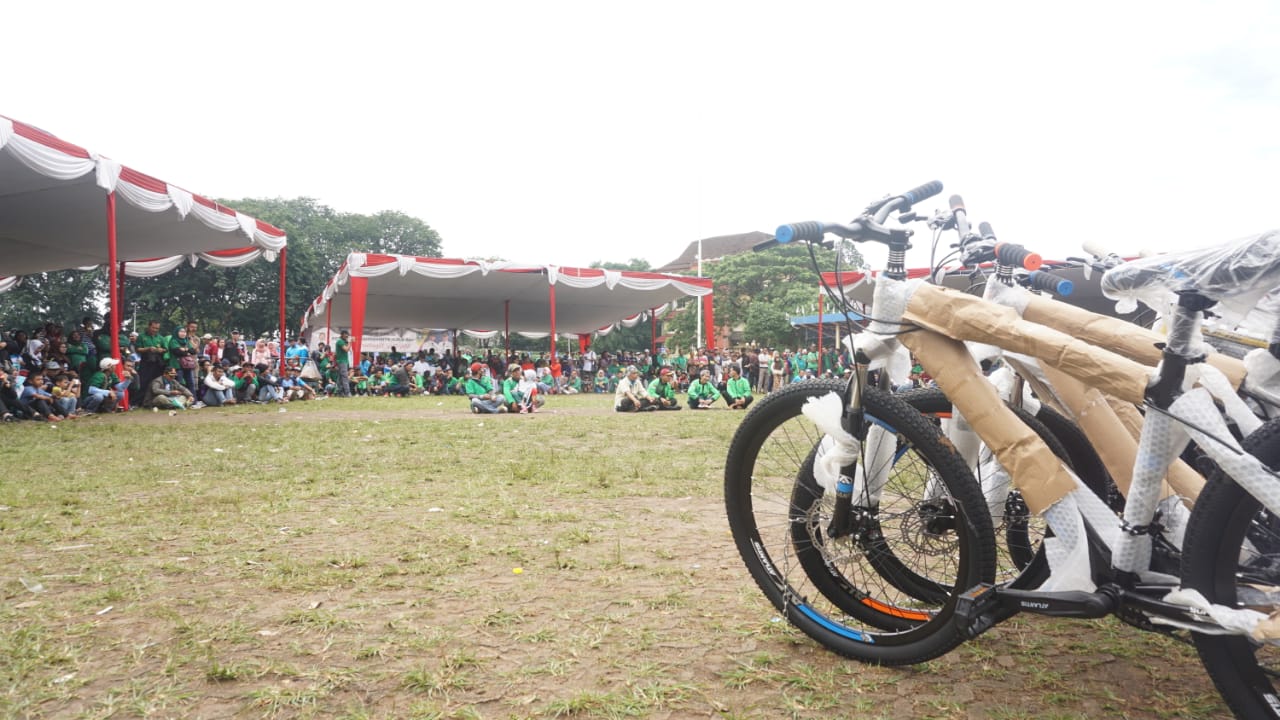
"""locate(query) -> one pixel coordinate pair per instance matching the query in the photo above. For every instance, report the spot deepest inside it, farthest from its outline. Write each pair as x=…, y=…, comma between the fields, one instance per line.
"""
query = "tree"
x=247, y=298
x=760, y=291
x=64, y=297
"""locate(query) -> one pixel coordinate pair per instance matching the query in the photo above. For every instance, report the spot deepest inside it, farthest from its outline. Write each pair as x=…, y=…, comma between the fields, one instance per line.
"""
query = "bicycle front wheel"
x=929, y=519
x=1232, y=556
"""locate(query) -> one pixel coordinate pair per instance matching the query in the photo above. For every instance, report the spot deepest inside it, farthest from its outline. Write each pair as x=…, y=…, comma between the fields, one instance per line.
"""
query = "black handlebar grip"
x=1048, y=282
x=923, y=192
x=984, y=229
x=805, y=231
x=1017, y=256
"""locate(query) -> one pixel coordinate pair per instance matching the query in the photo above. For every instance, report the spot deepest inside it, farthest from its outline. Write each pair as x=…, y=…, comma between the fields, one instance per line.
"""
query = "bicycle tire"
x=766, y=460
x=1217, y=561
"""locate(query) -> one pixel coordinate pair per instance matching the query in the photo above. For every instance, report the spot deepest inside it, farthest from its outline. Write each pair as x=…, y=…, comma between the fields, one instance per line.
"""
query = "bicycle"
x=1085, y=588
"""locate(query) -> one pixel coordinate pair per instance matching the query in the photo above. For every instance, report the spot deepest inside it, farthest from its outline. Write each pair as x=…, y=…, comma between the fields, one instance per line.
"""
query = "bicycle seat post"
x=1184, y=347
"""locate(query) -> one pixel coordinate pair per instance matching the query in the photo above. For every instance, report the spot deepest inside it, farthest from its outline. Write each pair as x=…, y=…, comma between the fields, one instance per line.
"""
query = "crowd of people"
x=52, y=373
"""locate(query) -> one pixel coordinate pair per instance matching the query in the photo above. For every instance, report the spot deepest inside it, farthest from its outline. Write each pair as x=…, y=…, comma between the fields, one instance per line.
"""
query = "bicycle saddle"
x=1238, y=273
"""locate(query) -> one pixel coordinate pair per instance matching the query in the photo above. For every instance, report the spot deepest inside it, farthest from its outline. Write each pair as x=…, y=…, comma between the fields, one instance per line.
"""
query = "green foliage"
x=65, y=296
x=759, y=292
x=636, y=264
x=247, y=298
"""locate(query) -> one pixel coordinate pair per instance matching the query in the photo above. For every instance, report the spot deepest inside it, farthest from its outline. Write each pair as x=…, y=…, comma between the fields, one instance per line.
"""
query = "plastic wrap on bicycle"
x=965, y=317
x=1237, y=274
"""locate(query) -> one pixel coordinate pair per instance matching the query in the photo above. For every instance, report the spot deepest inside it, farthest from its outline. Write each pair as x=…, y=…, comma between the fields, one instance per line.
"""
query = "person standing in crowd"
x=184, y=355
x=152, y=348
x=737, y=390
x=233, y=350
x=663, y=391
x=342, y=360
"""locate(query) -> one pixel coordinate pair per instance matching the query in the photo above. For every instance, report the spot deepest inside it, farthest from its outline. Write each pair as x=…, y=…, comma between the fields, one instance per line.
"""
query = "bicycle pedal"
x=977, y=610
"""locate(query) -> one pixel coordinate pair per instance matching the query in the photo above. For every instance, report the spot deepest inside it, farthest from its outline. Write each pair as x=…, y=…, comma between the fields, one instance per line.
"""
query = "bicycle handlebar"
x=862, y=229
x=1048, y=282
x=1017, y=256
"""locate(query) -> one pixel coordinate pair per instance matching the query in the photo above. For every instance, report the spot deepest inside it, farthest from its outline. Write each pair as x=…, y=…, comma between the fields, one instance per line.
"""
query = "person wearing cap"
x=702, y=392
x=518, y=399
x=631, y=395
x=100, y=392
x=480, y=389
x=737, y=390
x=663, y=391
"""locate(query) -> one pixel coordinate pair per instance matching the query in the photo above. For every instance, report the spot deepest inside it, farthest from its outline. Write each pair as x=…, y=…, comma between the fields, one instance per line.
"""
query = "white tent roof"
x=408, y=291
x=53, y=212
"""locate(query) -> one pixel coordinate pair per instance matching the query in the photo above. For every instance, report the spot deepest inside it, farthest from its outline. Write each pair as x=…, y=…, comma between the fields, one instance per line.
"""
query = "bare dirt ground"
x=479, y=590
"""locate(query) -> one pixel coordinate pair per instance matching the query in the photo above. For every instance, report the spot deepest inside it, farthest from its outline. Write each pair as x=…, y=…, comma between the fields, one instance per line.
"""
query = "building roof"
x=714, y=248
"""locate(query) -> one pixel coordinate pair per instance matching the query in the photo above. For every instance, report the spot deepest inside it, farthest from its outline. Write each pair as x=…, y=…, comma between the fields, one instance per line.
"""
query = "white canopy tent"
x=58, y=210
x=409, y=291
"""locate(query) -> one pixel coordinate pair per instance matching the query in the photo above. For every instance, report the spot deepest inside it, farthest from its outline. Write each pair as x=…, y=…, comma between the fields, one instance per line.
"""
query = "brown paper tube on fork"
x=1035, y=470
x=966, y=317
x=1110, y=430
x=1132, y=341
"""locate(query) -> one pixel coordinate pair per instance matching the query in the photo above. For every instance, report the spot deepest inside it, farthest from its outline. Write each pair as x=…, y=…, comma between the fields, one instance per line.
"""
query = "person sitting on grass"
x=663, y=391
x=167, y=393
x=573, y=386
x=269, y=389
x=11, y=408
x=219, y=389
x=737, y=390
x=518, y=399
x=631, y=395
x=702, y=393
x=101, y=393
x=66, y=396
x=480, y=389
x=246, y=380
x=398, y=381
x=37, y=399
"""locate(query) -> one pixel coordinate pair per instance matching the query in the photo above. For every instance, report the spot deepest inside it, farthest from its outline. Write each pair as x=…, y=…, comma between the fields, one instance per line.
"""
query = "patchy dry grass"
x=405, y=558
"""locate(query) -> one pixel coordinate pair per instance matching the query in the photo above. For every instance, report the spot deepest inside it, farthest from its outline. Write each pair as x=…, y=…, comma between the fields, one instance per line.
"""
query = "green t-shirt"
x=151, y=347
x=737, y=387
x=662, y=390
x=342, y=352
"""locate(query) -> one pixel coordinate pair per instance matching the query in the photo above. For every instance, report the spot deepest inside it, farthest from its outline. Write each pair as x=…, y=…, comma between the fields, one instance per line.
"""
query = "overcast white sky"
x=567, y=132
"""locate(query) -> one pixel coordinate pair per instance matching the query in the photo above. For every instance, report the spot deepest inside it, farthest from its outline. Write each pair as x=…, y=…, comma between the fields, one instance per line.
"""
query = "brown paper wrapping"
x=1132, y=341
x=966, y=317
x=1112, y=428
x=1182, y=478
x=1034, y=468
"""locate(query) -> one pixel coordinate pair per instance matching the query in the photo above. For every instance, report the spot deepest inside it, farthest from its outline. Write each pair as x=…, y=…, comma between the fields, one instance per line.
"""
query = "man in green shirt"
x=737, y=390
x=702, y=392
x=342, y=359
x=480, y=389
x=662, y=391
x=152, y=348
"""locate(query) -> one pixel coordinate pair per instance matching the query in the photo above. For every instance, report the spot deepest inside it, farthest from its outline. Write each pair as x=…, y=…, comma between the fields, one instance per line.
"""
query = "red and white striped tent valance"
x=406, y=291
x=53, y=213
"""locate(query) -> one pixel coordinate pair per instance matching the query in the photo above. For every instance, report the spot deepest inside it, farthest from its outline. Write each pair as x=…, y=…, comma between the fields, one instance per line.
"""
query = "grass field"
x=405, y=558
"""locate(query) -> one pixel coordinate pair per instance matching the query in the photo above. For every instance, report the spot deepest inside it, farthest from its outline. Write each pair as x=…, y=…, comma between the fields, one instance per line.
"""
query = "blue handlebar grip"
x=806, y=231
x=923, y=192
x=1049, y=282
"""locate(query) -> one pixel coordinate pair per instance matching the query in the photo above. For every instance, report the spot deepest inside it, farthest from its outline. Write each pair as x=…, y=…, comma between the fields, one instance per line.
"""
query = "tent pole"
x=113, y=279
x=552, y=287
x=819, y=332
x=709, y=312
x=283, y=328
x=359, y=295
x=506, y=328
x=653, y=333
x=328, y=321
